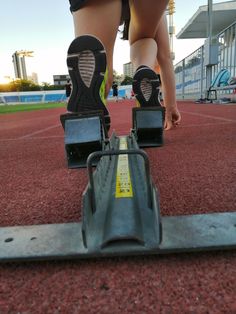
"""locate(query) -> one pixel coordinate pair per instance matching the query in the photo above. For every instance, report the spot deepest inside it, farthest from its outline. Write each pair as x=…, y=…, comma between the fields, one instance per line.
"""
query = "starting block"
x=148, y=125
x=121, y=216
x=84, y=134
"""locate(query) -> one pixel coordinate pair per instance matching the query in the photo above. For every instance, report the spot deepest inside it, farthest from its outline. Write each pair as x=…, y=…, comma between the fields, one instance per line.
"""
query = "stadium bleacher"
x=55, y=97
x=49, y=96
x=30, y=98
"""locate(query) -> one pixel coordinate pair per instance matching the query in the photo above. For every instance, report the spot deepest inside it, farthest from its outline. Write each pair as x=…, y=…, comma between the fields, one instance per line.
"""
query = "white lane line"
x=32, y=138
x=62, y=136
x=207, y=116
x=205, y=124
x=38, y=132
x=27, y=120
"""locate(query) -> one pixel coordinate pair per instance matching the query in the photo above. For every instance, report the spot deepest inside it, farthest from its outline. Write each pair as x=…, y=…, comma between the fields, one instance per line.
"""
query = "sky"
x=46, y=27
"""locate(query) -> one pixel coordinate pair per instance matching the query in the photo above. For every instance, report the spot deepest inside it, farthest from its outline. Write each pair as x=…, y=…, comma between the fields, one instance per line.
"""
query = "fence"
x=191, y=72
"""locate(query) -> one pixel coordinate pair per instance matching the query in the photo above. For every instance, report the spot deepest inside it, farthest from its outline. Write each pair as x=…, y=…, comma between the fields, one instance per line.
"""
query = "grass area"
x=29, y=107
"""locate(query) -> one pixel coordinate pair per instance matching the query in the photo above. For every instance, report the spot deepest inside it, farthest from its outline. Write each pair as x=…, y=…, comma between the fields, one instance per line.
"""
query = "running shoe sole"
x=87, y=65
x=146, y=85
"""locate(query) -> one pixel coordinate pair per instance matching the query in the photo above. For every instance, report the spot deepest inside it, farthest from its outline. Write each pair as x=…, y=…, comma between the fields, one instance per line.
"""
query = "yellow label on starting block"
x=123, y=181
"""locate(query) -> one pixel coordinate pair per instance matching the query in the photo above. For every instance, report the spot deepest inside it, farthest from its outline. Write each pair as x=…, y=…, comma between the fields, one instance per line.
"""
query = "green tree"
x=21, y=85
x=48, y=86
x=117, y=77
x=127, y=81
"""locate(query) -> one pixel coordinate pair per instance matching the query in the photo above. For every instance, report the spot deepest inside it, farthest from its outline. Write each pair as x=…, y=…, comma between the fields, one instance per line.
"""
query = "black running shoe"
x=146, y=86
x=87, y=66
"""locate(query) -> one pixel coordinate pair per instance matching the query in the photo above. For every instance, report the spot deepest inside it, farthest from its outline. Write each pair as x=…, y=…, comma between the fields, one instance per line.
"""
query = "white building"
x=128, y=69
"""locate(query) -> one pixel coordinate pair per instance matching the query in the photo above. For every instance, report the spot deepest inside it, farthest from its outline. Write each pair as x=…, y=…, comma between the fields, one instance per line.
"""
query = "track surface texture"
x=195, y=173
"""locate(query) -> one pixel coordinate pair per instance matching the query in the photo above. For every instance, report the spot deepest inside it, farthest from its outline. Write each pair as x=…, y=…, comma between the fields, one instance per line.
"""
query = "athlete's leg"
x=101, y=19
x=167, y=74
x=145, y=17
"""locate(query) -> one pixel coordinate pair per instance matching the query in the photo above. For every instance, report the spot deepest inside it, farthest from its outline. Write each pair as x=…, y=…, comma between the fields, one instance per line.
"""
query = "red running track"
x=195, y=173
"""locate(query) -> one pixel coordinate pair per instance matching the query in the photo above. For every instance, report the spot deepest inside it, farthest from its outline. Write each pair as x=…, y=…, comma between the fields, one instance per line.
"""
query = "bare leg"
x=145, y=18
x=143, y=52
x=167, y=74
x=100, y=18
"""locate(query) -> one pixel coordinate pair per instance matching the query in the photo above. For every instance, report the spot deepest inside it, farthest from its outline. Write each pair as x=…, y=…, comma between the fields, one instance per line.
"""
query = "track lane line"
x=207, y=116
x=206, y=124
x=31, y=138
x=39, y=132
x=3, y=120
x=62, y=136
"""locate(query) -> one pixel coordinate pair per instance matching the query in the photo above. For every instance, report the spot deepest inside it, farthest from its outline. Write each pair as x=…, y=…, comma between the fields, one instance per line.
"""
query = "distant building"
x=34, y=77
x=128, y=69
x=60, y=79
x=19, y=66
x=18, y=59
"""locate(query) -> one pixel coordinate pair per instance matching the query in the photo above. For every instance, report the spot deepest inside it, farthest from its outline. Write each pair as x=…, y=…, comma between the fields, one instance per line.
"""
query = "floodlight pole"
x=209, y=35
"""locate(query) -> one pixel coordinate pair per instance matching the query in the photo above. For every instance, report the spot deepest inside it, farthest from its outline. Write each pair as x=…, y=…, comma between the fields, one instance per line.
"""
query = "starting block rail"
x=190, y=233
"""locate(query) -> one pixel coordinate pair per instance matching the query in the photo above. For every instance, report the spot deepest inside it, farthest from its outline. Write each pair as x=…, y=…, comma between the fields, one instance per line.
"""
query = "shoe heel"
x=87, y=64
x=146, y=87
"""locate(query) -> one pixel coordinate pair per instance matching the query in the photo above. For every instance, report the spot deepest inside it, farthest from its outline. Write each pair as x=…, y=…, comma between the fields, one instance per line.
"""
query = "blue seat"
x=55, y=97
x=11, y=99
x=30, y=98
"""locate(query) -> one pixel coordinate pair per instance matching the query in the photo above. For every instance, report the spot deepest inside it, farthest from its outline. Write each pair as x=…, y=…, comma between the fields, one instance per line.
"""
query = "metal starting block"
x=84, y=134
x=148, y=124
x=121, y=216
x=127, y=214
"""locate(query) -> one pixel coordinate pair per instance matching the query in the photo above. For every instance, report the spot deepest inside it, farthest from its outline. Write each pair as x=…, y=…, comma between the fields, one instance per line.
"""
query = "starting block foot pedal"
x=84, y=134
x=148, y=124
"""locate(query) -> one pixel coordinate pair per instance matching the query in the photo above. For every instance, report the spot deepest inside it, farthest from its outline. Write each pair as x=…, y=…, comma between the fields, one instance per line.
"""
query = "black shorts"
x=78, y=4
